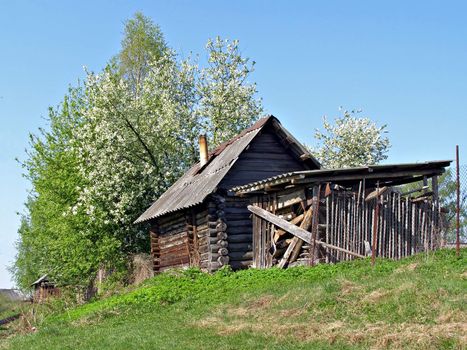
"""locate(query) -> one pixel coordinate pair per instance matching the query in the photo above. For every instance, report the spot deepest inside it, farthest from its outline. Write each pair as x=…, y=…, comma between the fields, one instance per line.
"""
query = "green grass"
x=9, y=308
x=415, y=303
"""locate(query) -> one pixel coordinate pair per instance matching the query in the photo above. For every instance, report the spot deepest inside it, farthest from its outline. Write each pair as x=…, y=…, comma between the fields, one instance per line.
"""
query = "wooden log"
x=240, y=247
x=289, y=199
x=239, y=223
x=378, y=192
x=314, y=228
x=243, y=238
x=241, y=255
x=221, y=226
x=239, y=229
x=296, y=231
x=297, y=243
x=222, y=243
x=223, y=260
x=295, y=221
x=221, y=235
x=223, y=251
x=244, y=264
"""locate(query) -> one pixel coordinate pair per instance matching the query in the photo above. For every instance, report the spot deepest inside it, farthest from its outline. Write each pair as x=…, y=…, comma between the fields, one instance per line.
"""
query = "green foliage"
x=142, y=43
x=115, y=144
x=402, y=304
x=51, y=240
x=351, y=142
x=227, y=102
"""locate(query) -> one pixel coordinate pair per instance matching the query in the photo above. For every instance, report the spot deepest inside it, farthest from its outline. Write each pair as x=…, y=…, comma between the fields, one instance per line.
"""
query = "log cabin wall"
x=169, y=242
x=239, y=232
x=190, y=238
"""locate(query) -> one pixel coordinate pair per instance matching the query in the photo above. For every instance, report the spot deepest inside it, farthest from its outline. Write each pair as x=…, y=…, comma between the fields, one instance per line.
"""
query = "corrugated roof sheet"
x=42, y=278
x=195, y=185
x=309, y=175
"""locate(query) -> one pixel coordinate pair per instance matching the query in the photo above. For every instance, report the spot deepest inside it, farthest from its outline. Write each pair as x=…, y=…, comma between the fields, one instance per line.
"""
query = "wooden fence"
x=404, y=226
x=310, y=225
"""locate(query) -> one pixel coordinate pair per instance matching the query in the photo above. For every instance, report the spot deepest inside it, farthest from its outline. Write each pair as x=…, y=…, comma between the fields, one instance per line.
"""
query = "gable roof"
x=196, y=184
x=43, y=278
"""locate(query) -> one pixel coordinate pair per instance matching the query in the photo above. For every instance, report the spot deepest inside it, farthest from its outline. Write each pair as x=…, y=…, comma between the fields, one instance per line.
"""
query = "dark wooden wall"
x=239, y=232
x=266, y=156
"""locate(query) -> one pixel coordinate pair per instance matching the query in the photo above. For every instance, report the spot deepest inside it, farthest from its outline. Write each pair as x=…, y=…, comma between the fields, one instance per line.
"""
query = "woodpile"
x=330, y=223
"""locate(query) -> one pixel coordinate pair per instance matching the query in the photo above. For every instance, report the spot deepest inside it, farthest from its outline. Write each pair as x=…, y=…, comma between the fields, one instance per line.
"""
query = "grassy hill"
x=416, y=303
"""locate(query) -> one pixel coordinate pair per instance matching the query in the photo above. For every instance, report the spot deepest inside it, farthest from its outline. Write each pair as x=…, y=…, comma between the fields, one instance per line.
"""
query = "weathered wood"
x=293, y=249
x=296, y=231
x=315, y=222
x=246, y=238
x=240, y=247
x=240, y=230
x=223, y=259
x=378, y=192
x=241, y=264
x=241, y=255
x=295, y=221
x=289, y=199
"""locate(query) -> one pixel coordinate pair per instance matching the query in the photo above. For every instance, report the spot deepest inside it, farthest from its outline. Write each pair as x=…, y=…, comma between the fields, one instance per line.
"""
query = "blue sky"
x=403, y=62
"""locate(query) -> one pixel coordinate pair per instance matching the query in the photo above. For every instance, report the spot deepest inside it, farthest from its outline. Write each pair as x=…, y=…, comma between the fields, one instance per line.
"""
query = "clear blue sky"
x=403, y=62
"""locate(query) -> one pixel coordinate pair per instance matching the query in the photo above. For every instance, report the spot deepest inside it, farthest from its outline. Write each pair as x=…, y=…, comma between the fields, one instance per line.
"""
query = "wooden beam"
x=376, y=193
x=296, y=231
x=294, y=247
x=296, y=221
x=368, y=176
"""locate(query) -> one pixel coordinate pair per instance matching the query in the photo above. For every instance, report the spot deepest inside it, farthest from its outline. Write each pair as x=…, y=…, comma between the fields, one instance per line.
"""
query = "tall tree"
x=351, y=141
x=116, y=144
x=142, y=43
x=228, y=100
x=52, y=240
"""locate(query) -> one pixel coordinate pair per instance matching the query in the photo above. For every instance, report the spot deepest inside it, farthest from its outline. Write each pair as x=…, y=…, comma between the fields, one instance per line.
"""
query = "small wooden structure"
x=196, y=223
x=44, y=289
x=307, y=217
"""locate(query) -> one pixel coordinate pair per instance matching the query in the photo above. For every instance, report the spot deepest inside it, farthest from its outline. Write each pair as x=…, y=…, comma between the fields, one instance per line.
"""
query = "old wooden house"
x=330, y=215
x=44, y=289
x=197, y=223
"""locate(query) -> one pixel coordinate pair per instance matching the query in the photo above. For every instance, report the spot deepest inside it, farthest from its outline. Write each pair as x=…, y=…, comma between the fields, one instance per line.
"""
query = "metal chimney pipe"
x=203, y=150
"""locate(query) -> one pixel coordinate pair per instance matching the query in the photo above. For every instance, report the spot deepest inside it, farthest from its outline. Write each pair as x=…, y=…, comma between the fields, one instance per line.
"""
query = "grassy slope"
x=419, y=302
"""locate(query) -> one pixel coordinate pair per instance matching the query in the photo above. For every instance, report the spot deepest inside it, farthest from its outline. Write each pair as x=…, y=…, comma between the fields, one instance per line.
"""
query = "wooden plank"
x=314, y=229
x=296, y=231
x=293, y=250
x=290, y=199
x=295, y=221
x=376, y=193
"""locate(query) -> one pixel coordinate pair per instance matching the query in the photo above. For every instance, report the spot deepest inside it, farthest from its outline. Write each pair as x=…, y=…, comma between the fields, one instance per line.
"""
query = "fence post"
x=375, y=227
x=458, y=185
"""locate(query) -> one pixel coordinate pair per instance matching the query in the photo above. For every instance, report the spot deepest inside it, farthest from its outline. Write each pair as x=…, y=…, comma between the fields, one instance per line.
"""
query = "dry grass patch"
x=349, y=288
x=272, y=317
x=376, y=336
x=375, y=296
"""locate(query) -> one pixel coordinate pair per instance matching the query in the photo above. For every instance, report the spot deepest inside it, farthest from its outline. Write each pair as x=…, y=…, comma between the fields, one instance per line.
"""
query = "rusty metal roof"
x=196, y=184
x=390, y=173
